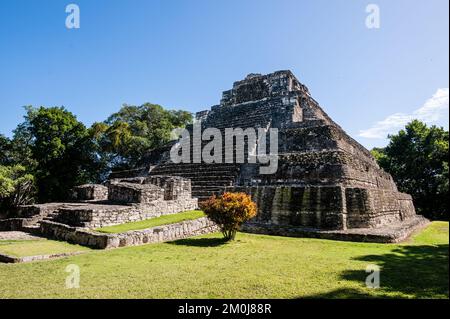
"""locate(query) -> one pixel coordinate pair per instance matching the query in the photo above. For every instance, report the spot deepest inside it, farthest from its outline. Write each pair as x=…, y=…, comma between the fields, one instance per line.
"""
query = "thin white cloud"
x=432, y=111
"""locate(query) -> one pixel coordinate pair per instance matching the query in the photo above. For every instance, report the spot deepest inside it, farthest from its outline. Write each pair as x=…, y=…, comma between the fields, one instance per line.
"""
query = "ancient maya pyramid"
x=325, y=179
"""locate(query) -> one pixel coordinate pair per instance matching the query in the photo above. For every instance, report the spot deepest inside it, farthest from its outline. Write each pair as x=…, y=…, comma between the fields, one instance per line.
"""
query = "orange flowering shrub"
x=229, y=211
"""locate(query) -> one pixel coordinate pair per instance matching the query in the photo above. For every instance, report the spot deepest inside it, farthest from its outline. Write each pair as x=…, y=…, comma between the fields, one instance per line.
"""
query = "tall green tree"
x=20, y=145
x=417, y=158
x=5, y=150
x=60, y=149
x=126, y=136
x=16, y=187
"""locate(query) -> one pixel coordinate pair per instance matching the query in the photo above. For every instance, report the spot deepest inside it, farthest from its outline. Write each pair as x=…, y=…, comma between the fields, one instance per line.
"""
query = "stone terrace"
x=121, y=201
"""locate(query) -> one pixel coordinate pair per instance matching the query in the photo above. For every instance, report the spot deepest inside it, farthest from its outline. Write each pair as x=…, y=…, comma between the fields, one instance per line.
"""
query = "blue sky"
x=183, y=54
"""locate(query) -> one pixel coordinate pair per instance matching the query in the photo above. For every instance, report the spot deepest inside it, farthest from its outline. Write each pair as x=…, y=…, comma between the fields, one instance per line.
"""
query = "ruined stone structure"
x=90, y=192
x=88, y=237
x=325, y=179
x=122, y=201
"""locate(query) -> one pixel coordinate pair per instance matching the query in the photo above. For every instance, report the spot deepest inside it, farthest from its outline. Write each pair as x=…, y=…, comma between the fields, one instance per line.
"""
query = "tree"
x=20, y=146
x=5, y=149
x=417, y=158
x=62, y=150
x=126, y=136
x=230, y=211
x=16, y=187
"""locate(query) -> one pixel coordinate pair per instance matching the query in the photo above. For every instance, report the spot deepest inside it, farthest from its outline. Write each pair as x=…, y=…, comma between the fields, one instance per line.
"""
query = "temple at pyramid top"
x=256, y=87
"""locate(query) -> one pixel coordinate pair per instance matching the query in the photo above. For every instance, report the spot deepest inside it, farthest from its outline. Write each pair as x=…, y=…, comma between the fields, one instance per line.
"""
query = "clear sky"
x=183, y=54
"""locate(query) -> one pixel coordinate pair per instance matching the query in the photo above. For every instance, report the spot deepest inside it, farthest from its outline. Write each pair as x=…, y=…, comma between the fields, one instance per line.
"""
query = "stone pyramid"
x=326, y=184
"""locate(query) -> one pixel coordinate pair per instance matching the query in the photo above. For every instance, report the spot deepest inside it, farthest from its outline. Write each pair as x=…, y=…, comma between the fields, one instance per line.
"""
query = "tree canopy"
x=5, y=148
x=417, y=158
x=62, y=150
x=16, y=186
x=134, y=130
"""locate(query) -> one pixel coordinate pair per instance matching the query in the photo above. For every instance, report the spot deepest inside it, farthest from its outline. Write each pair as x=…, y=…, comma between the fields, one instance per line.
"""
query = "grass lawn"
x=253, y=266
x=153, y=222
x=22, y=248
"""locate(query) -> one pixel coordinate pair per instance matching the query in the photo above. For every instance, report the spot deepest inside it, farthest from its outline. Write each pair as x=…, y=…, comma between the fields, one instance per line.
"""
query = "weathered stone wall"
x=317, y=207
x=12, y=224
x=147, y=189
x=125, y=192
x=132, y=238
x=27, y=211
x=94, y=216
x=28, y=215
x=174, y=187
x=90, y=192
x=328, y=207
x=371, y=208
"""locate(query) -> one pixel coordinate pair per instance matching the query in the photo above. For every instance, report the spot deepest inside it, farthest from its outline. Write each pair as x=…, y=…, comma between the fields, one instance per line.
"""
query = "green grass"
x=437, y=232
x=153, y=222
x=22, y=248
x=253, y=266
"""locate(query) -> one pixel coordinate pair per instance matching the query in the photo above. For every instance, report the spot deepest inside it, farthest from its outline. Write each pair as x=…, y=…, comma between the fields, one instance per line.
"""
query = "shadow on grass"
x=200, y=242
x=345, y=293
x=418, y=271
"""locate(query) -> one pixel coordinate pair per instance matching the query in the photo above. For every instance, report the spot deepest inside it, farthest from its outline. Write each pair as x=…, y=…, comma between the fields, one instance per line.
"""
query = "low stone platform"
x=15, y=260
x=387, y=234
x=107, y=214
x=123, y=201
x=97, y=240
x=17, y=235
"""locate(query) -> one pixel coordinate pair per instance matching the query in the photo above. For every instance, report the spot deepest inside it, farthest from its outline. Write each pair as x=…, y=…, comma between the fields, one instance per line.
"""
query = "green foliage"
x=417, y=158
x=5, y=149
x=16, y=186
x=22, y=141
x=59, y=151
x=126, y=136
x=230, y=211
x=378, y=153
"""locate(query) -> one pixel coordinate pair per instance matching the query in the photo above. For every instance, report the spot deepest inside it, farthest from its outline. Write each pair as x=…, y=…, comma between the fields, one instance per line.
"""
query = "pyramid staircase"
x=206, y=179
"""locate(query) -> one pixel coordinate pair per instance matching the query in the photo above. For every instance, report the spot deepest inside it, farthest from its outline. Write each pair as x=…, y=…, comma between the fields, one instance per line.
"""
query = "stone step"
x=207, y=193
x=199, y=177
x=192, y=172
x=208, y=187
x=203, y=183
x=32, y=229
x=211, y=166
x=193, y=168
